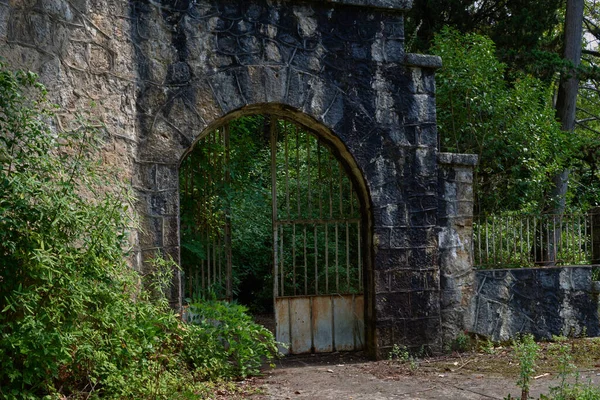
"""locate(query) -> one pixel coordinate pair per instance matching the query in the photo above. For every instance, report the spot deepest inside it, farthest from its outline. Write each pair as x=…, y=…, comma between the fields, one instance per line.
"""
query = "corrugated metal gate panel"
x=320, y=324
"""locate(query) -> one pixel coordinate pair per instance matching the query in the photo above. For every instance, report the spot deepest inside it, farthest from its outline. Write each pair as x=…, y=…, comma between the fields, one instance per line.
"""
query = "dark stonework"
x=334, y=67
x=543, y=301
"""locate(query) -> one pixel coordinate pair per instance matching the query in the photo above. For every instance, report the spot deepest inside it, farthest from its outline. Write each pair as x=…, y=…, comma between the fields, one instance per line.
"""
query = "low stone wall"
x=543, y=301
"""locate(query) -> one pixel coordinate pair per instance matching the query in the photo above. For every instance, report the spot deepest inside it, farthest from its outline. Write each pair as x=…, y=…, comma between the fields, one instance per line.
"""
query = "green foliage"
x=230, y=343
x=234, y=185
x=527, y=35
x=461, y=343
x=526, y=352
x=561, y=350
x=511, y=127
x=74, y=320
x=401, y=354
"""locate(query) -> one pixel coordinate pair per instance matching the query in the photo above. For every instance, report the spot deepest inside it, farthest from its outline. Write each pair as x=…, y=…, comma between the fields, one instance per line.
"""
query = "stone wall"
x=455, y=218
x=542, y=301
x=82, y=53
x=160, y=74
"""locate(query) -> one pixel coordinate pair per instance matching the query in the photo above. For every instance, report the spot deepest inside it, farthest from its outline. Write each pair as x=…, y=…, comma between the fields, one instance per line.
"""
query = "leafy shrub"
x=74, y=319
x=526, y=352
x=238, y=345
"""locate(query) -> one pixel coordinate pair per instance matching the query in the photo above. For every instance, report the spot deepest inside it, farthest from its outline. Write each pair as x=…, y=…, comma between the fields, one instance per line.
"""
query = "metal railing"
x=523, y=240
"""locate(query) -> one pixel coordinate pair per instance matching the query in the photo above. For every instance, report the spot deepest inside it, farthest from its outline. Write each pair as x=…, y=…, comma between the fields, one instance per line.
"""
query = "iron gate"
x=316, y=258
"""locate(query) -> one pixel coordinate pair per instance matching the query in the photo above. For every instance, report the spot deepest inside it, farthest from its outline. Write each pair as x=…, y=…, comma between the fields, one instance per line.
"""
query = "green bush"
x=74, y=318
x=238, y=345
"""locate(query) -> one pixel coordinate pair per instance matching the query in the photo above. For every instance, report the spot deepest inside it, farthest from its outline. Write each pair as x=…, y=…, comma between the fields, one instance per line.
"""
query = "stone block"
x=385, y=332
x=391, y=215
x=226, y=89
x=151, y=233
x=381, y=237
x=392, y=259
x=145, y=176
x=393, y=305
x=171, y=231
x=167, y=177
x=164, y=203
x=382, y=281
x=423, y=257
x=424, y=304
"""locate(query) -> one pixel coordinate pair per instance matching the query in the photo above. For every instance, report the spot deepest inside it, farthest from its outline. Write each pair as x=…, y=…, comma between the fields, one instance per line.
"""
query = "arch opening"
x=273, y=217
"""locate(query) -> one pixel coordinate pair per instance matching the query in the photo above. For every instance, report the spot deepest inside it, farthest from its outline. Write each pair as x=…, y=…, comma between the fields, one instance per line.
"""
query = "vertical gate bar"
x=316, y=260
x=347, y=257
x=208, y=239
x=351, y=198
x=208, y=194
x=298, y=171
x=337, y=264
x=478, y=259
x=494, y=238
x=281, y=259
x=220, y=140
x=287, y=169
x=326, y=258
x=330, y=179
x=203, y=203
x=360, y=277
x=585, y=237
x=579, y=236
x=521, y=239
x=548, y=237
x=188, y=174
x=554, y=238
x=219, y=181
x=308, y=137
x=214, y=258
x=341, y=216
x=273, y=140
x=320, y=179
x=309, y=205
x=294, y=256
x=573, y=234
x=228, y=232
x=219, y=262
x=506, y=236
x=561, y=224
x=305, y=264
x=513, y=238
x=532, y=251
x=320, y=217
x=341, y=211
x=487, y=242
x=592, y=238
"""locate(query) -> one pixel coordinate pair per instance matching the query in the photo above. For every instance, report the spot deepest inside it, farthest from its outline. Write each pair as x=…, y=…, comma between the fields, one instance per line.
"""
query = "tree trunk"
x=565, y=113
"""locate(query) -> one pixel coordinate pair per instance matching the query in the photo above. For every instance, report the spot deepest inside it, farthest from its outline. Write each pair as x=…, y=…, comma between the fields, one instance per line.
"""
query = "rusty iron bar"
x=536, y=240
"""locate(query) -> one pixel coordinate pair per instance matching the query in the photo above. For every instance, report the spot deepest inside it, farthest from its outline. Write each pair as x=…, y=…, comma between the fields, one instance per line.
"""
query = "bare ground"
x=471, y=375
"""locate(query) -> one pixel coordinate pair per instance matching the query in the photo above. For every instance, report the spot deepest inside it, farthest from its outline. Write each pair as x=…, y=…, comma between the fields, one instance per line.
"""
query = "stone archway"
x=340, y=68
x=319, y=253
x=162, y=71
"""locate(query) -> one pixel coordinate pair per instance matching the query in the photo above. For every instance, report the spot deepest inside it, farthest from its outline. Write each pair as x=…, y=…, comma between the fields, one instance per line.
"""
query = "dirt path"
x=345, y=376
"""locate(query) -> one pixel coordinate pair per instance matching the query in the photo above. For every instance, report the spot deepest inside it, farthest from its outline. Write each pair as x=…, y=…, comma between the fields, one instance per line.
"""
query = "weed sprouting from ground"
x=526, y=352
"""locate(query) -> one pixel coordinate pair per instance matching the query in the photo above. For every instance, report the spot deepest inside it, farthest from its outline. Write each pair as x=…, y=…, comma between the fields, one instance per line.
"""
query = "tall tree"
x=566, y=104
x=520, y=29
